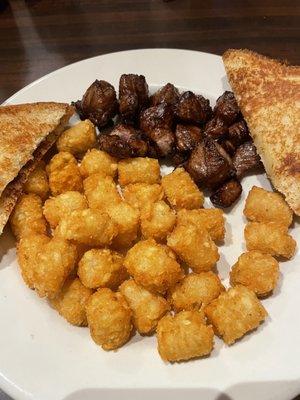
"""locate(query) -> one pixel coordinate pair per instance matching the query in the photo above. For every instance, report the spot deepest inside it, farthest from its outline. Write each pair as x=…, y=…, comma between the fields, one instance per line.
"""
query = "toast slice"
x=268, y=94
x=27, y=132
x=22, y=128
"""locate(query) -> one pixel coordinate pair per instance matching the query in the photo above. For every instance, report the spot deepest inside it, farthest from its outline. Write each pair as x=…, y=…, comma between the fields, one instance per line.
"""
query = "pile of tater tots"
x=118, y=248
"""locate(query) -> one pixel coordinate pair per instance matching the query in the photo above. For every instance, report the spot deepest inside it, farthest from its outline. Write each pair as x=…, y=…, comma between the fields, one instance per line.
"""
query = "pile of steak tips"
x=213, y=145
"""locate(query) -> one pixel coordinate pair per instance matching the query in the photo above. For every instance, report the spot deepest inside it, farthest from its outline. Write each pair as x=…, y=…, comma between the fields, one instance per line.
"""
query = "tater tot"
x=101, y=191
x=181, y=191
x=27, y=250
x=58, y=207
x=195, y=291
x=63, y=173
x=96, y=161
x=109, y=319
x=27, y=216
x=45, y=264
x=54, y=262
x=37, y=182
x=147, y=308
x=153, y=266
x=257, y=271
x=90, y=227
x=194, y=246
x=78, y=139
x=211, y=219
x=157, y=220
x=126, y=219
x=264, y=206
x=139, y=194
x=102, y=268
x=71, y=302
x=270, y=238
x=234, y=313
x=135, y=170
x=184, y=336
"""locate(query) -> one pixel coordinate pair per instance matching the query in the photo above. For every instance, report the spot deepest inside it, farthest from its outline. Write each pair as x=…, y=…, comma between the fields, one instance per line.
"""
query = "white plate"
x=43, y=357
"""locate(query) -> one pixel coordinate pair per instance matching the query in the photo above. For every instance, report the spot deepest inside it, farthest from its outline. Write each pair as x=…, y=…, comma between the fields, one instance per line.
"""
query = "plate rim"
x=93, y=58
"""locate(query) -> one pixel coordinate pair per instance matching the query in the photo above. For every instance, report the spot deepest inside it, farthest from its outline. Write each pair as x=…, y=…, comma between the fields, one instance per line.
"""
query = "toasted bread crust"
x=14, y=188
x=268, y=93
x=22, y=128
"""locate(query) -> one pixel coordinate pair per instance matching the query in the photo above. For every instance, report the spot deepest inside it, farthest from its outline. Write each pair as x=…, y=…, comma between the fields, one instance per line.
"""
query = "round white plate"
x=42, y=357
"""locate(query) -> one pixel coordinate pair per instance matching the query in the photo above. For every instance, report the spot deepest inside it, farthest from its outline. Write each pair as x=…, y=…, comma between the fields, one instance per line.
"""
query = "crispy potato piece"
x=63, y=173
x=257, y=271
x=54, y=262
x=126, y=219
x=45, y=263
x=109, y=319
x=195, y=291
x=78, y=139
x=157, y=220
x=102, y=268
x=71, y=302
x=184, y=336
x=153, y=266
x=101, y=191
x=58, y=207
x=270, y=238
x=181, y=191
x=27, y=216
x=211, y=219
x=194, y=246
x=234, y=313
x=147, y=308
x=264, y=206
x=90, y=227
x=27, y=250
x=37, y=182
x=139, y=194
x=138, y=170
x=97, y=161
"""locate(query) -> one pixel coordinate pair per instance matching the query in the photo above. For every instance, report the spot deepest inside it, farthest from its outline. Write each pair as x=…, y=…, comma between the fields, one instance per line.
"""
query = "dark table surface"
x=37, y=37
